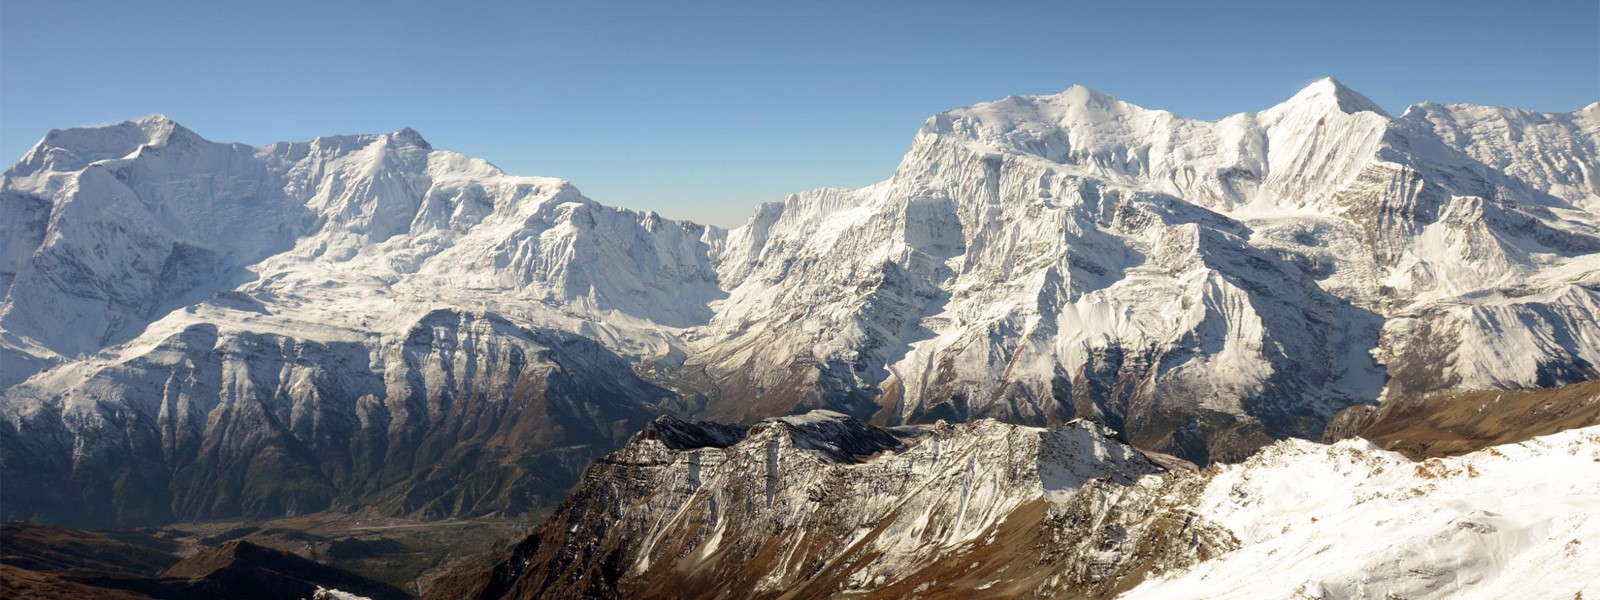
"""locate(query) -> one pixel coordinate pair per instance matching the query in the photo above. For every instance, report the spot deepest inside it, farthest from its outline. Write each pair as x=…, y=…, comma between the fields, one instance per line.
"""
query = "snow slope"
x=1352, y=521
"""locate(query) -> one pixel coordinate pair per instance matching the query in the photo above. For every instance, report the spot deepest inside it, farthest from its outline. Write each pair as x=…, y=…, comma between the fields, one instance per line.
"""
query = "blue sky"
x=703, y=109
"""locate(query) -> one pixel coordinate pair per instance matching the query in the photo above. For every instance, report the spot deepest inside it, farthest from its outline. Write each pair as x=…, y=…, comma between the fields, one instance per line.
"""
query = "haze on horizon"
x=701, y=112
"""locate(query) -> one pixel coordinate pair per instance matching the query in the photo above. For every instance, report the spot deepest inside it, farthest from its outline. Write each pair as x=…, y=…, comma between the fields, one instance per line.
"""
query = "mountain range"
x=194, y=330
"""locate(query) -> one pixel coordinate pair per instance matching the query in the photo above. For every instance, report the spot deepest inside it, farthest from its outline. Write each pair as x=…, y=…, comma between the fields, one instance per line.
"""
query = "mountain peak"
x=156, y=119
x=1076, y=104
x=1335, y=94
x=1083, y=93
x=410, y=136
x=1080, y=98
x=75, y=148
x=160, y=130
x=678, y=434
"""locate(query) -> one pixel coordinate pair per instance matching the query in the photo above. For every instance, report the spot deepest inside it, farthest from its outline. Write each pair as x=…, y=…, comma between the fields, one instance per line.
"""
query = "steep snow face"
x=1539, y=152
x=1040, y=258
x=109, y=229
x=1351, y=521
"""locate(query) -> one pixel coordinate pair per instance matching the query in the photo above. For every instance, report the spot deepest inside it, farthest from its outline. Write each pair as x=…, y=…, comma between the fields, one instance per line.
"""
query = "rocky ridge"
x=825, y=506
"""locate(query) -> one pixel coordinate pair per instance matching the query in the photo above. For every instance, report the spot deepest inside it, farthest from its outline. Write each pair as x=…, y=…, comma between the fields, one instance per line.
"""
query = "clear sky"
x=701, y=109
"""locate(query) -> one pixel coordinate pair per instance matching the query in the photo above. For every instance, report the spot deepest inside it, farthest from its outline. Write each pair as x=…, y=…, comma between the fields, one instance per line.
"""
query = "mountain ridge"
x=1305, y=170
x=991, y=510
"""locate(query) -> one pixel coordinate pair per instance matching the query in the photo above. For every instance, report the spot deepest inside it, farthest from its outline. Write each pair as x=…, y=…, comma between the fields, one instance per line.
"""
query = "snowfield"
x=1352, y=521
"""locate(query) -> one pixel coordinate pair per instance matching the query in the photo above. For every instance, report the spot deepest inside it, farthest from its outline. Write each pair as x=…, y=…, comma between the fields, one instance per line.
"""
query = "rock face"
x=464, y=415
x=1449, y=424
x=825, y=506
x=371, y=321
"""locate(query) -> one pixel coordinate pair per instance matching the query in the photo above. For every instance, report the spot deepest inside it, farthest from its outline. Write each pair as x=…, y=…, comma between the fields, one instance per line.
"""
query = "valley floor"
x=407, y=555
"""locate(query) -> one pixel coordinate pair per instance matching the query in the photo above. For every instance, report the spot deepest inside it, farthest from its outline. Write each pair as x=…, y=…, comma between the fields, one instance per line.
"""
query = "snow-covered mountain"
x=109, y=230
x=363, y=320
x=1203, y=286
x=824, y=506
x=373, y=318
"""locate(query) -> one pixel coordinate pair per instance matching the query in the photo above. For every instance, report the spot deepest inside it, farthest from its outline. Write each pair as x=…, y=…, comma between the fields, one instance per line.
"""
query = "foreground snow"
x=331, y=594
x=1353, y=521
